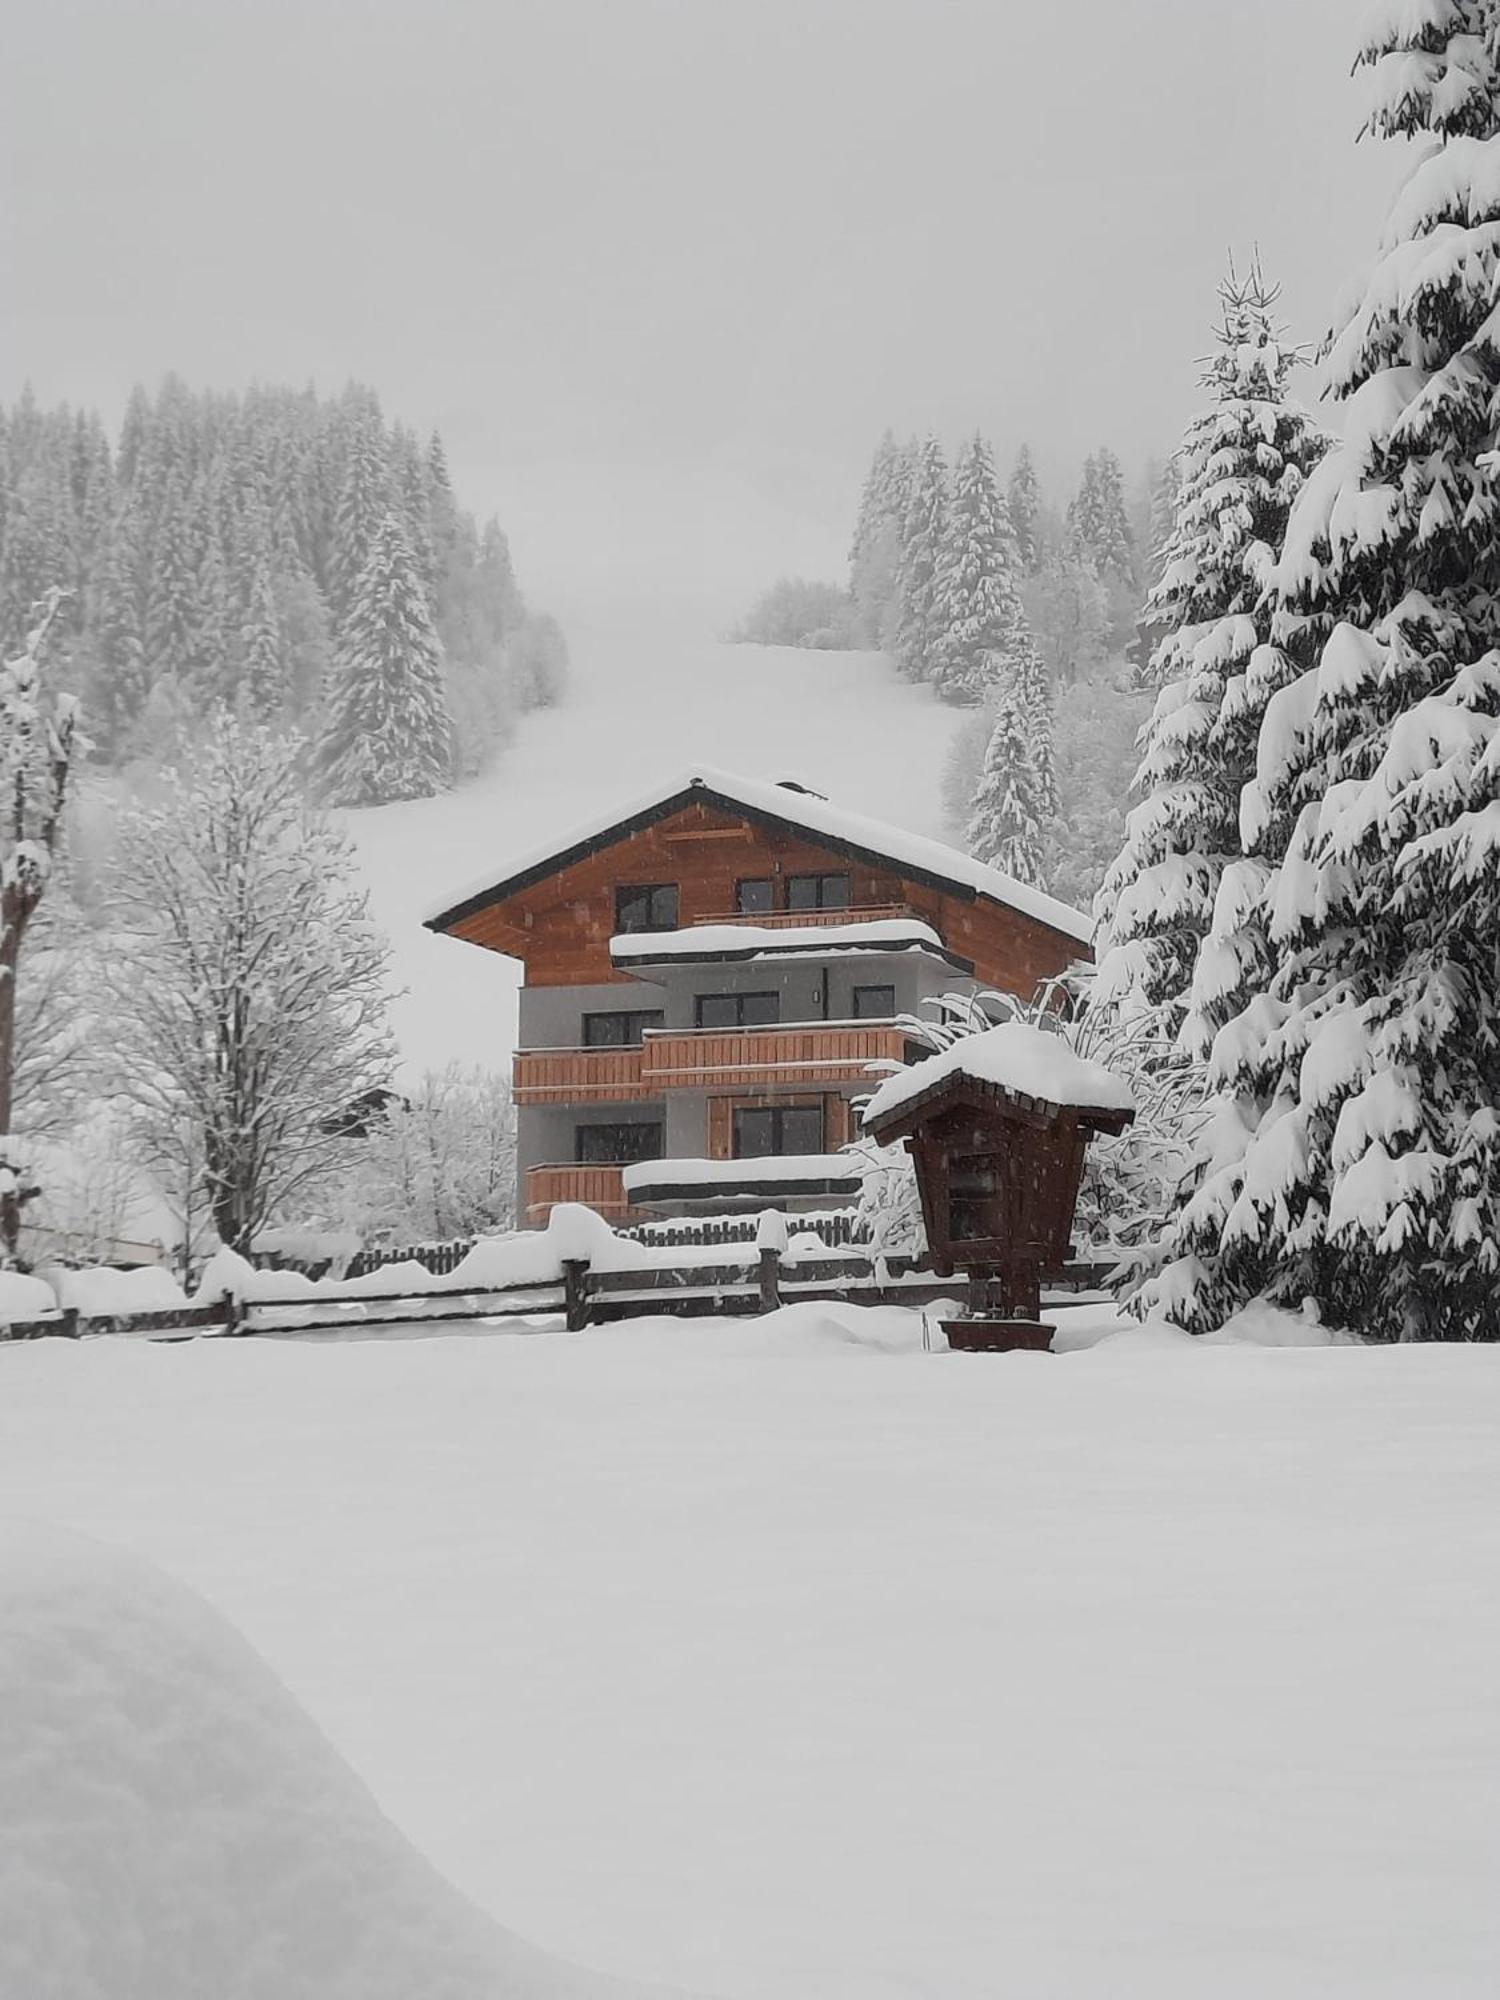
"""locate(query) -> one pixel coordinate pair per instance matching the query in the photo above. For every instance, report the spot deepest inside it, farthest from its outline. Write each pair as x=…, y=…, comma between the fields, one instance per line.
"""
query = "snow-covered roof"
x=799, y=811
x=1016, y=1057
x=893, y=934
x=793, y=1168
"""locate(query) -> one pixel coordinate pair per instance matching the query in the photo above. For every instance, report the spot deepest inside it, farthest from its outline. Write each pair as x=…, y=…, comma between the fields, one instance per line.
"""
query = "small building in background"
x=709, y=975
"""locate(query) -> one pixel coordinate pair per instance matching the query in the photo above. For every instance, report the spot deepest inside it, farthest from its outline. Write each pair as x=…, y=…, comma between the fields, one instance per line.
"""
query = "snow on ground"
x=176, y=1827
x=751, y=1658
x=645, y=703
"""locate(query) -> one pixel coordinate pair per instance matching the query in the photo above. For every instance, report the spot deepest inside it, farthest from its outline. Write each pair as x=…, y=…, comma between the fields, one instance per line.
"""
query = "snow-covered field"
x=646, y=702
x=757, y=1660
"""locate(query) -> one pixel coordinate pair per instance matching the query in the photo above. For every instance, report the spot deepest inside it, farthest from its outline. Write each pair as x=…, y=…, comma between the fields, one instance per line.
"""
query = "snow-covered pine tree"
x=1024, y=499
x=123, y=676
x=262, y=685
x=387, y=733
x=875, y=553
x=1357, y=1141
x=1241, y=464
x=365, y=499
x=1099, y=521
x=975, y=609
x=1006, y=825
x=921, y=547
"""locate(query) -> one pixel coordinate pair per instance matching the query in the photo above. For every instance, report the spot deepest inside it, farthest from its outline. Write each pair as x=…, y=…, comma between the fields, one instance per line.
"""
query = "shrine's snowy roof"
x=751, y=941
x=797, y=811
x=1016, y=1057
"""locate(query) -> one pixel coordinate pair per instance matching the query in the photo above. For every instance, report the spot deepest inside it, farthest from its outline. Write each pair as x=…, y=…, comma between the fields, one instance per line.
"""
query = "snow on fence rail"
x=577, y=1267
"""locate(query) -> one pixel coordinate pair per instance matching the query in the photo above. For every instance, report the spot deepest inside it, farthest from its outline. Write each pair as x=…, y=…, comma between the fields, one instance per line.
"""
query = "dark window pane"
x=874, y=1003
x=646, y=907
x=620, y=1030
x=754, y=1134
x=817, y=892
x=752, y=898
x=759, y=1010
x=801, y=1129
x=618, y=1145
x=718, y=1010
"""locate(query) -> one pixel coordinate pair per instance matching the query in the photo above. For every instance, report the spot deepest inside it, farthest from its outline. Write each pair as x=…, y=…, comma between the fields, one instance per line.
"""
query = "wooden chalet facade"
x=708, y=978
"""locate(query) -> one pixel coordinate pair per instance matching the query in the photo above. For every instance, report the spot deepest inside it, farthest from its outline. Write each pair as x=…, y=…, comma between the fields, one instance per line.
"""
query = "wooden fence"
x=582, y=1295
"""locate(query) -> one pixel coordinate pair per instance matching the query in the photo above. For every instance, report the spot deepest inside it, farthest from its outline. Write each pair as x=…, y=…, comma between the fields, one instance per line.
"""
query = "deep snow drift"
x=176, y=1828
x=745, y=1658
x=643, y=705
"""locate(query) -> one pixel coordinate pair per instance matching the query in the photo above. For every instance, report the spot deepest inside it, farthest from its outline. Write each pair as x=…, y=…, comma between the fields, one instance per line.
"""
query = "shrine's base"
x=998, y=1336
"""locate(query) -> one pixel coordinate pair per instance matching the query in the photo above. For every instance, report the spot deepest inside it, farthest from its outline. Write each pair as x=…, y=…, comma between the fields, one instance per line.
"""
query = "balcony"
x=598, y=1188
x=813, y=1054
x=885, y=929
x=782, y=1180
x=577, y=1076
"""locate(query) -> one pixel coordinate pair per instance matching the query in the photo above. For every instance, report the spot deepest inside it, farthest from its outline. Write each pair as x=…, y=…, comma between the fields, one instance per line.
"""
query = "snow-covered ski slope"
x=645, y=704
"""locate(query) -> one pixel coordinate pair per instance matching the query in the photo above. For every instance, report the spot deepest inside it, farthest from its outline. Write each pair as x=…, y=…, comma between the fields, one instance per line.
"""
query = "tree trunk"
x=10, y=953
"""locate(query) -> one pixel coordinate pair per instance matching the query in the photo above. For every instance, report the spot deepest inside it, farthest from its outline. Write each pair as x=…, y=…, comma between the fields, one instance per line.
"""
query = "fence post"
x=770, y=1278
x=231, y=1313
x=70, y=1323
x=576, y=1292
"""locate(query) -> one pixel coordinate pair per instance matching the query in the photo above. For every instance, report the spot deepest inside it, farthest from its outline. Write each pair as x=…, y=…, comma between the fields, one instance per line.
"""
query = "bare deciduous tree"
x=251, y=998
x=37, y=736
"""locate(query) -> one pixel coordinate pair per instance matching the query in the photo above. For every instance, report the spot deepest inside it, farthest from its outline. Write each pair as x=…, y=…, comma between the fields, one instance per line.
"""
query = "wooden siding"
x=577, y=1076
x=561, y=927
x=760, y=1057
x=598, y=1188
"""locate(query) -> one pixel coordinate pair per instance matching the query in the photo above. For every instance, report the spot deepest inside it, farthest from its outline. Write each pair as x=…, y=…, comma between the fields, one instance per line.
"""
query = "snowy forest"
x=295, y=559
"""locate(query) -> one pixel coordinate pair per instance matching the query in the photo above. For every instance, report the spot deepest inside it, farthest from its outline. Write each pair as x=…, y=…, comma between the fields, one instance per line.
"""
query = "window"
x=874, y=1003
x=754, y=898
x=619, y=1031
x=817, y=892
x=616, y=1145
x=770, y=1131
x=646, y=906
x=737, y=1010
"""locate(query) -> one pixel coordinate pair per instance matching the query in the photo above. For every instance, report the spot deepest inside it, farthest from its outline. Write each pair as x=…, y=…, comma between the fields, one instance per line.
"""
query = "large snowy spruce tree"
x=387, y=734
x=1356, y=1156
x=975, y=609
x=1242, y=462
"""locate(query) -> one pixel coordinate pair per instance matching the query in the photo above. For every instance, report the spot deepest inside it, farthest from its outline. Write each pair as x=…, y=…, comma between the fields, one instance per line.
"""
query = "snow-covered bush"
x=797, y=611
x=1130, y=1181
x=437, y=1163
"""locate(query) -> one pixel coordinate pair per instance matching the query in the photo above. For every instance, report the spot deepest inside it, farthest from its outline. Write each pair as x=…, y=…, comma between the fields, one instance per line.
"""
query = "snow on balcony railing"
x=783, y=935
x=818, y=1171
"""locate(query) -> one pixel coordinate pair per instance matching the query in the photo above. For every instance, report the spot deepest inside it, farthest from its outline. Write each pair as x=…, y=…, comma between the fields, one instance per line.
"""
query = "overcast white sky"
x=661, y=270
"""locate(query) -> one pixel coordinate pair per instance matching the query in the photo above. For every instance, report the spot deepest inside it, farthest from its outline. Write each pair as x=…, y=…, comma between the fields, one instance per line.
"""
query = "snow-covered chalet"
x=709, y=974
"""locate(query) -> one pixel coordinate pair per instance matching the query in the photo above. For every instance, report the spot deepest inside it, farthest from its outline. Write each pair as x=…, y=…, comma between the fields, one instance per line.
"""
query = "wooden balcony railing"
x=577, y=1076
x=597, y=1187
x=780, y=920
x=819, y=1053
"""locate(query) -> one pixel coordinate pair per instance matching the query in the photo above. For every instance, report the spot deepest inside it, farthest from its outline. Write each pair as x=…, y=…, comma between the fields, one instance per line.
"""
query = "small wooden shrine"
x=997, y=1126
